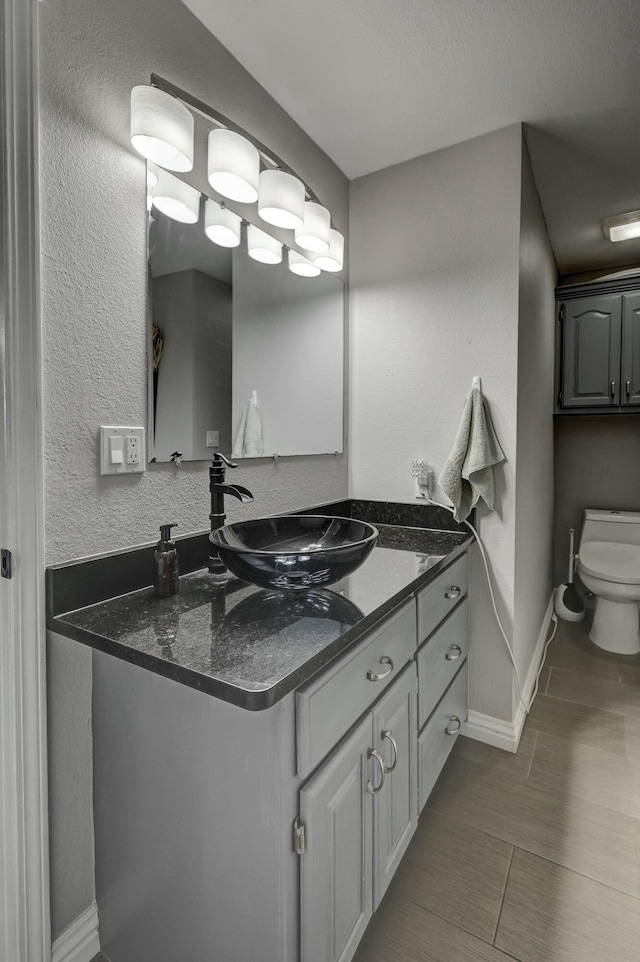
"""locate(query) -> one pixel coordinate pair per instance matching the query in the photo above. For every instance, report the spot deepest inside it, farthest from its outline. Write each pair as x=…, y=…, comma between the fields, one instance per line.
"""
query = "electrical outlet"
x=121, y=450
x=213, y=439
x=133, y=449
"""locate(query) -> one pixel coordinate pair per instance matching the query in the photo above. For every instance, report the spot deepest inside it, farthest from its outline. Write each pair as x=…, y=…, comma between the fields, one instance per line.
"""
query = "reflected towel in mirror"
x=248, y=443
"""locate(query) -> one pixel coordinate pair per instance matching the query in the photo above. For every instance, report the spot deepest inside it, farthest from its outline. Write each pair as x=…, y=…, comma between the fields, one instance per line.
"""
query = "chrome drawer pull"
x=627, y=387
x=454, y=653
x=372, y=753
x=378, y=676
x=453, y=592
x=389, y=737
x=453, y=731
x=613, y=389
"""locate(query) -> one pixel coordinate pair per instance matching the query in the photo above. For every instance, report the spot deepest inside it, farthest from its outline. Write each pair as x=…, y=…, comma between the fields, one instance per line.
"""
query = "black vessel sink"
x=294, y=551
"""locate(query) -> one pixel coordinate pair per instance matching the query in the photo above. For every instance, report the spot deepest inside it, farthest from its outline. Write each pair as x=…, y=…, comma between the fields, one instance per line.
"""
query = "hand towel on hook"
x=468, y=474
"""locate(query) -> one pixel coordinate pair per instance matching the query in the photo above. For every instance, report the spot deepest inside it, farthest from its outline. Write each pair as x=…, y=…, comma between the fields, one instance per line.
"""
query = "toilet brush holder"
x=568, y=603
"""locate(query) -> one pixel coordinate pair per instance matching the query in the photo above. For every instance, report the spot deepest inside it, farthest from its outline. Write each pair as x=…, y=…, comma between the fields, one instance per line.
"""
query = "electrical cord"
x=554, y=617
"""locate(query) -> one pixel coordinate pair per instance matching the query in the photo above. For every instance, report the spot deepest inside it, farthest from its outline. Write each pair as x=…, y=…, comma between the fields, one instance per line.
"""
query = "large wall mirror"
x=230, y=336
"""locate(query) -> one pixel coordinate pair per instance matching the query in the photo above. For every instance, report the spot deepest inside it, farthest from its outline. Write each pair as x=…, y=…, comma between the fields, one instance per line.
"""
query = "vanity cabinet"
x=598, y=348
x=359, y=811
x=229, y=834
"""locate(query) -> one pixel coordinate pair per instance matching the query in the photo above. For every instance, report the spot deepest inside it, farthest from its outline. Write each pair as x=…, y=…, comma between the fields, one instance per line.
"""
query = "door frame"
x=25, y=934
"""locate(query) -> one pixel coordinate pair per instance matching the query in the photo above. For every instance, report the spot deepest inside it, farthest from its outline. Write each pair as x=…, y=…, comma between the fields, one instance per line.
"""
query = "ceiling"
x=376, y=82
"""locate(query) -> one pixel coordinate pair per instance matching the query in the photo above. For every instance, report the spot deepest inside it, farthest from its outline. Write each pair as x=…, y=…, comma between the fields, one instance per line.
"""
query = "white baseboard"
x=498, y=731
x=80, y=941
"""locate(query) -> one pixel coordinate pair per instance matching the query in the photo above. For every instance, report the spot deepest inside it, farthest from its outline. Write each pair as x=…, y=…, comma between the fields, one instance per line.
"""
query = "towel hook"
x=476, y=383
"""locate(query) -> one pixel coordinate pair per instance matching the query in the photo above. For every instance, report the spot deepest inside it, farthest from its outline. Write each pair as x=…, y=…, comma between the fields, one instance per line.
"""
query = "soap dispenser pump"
x=165, y=575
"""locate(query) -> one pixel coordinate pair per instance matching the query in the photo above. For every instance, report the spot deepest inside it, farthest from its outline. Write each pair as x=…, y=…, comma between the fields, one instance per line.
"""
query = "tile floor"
x=532, y=856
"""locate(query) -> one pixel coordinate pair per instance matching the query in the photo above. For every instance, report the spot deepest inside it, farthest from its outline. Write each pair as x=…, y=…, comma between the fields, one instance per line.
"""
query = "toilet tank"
x=622, y=527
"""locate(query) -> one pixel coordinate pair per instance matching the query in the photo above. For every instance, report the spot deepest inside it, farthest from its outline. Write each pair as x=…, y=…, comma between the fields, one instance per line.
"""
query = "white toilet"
x=609, y=566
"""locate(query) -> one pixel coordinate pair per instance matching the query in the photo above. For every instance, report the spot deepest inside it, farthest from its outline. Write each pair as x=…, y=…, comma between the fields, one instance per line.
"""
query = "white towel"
x=248, y=443
x=468, y=474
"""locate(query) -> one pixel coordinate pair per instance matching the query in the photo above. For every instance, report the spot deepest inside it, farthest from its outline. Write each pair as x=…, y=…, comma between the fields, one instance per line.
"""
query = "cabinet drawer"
x=332, y=701
x=441, y=596
x=435, y=742
x=440, y=658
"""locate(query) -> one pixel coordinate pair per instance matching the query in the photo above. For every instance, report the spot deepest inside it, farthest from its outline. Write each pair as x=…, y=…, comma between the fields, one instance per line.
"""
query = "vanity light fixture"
x=314, y=233
x=281, y=199
x=262, y=246
x=162, y=128
x=176, y=199
x=233, y=166
x=622, y=226
x=298, y=264
x=333, y=259
x=221, y=225
x=152, y=178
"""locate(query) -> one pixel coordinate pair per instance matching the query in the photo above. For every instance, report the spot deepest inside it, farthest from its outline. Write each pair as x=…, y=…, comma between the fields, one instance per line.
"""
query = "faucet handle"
x=221, y=457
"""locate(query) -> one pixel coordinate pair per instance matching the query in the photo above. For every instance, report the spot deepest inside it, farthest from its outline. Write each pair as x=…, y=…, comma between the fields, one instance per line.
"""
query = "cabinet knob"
x=389, y=737
x=453, y=592
x=454, y=726
x=454, y=653
x=371, y=788
x=378, y=676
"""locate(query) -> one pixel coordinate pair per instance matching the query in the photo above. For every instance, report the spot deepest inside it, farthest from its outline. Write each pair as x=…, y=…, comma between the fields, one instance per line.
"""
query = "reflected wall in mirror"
x=225, y=328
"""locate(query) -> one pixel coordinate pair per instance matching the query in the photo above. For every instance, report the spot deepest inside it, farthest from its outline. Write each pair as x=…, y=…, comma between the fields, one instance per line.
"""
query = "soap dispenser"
x=165, y=575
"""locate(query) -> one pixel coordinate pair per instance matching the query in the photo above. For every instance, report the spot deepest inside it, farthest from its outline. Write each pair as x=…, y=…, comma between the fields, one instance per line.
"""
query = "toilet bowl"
x=609, y=566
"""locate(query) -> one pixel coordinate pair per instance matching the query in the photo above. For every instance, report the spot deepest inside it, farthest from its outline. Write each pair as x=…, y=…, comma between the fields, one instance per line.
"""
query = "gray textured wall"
x=534, y=483
x=597, y=465
x=94, y=282
x=434, y=301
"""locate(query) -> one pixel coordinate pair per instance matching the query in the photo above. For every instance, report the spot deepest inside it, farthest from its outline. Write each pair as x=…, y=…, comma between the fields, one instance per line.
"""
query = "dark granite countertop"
x=251, y=646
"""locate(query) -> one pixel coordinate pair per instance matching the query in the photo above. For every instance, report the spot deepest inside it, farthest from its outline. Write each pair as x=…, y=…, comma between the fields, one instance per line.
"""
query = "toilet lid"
x=612, y=561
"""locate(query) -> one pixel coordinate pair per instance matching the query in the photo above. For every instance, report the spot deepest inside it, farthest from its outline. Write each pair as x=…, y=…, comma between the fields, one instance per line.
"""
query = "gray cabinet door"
x=631, y=350
x=335, y=870
x=591, y=361
x=395, y=807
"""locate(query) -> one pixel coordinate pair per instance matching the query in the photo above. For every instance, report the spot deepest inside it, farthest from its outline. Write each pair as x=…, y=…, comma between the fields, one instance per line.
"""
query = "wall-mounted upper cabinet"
x=598, y=352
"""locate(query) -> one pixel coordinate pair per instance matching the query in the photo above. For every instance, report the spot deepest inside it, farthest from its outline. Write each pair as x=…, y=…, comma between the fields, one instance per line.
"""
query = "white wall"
x=534, y=455
x=434, y=301
x=94, y=283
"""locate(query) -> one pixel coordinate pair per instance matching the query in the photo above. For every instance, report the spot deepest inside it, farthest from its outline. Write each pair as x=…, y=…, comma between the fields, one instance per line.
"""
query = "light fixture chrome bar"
x=270, y=159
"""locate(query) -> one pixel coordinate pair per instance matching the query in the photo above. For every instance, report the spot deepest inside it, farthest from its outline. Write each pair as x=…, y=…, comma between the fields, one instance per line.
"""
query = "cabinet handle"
x=454, y=653
x=372, y=753
x=387, y=734
x=613, y=389
x=453, y=731
x=378, y=676
x=627, y=387
x=453, y=592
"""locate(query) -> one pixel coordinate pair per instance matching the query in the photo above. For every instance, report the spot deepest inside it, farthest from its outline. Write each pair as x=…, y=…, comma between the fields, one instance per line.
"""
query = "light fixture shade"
x=152, y=176
x=281, y=199
x=301, y=265
x=262, y=246
x=623, y=226
x=233, y=166
x=176, y=199
x=333, y=259
x=161, y=128
x=221, y=226
x=314, y=233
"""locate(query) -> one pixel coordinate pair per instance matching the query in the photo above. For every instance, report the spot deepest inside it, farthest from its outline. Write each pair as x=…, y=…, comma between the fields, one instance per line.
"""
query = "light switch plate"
x=126, y=466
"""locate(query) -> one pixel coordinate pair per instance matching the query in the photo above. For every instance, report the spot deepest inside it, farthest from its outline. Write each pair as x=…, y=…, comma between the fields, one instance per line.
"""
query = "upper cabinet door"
x=631, y=350
x=591, y=363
